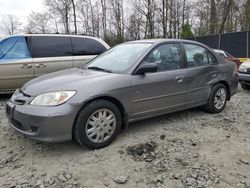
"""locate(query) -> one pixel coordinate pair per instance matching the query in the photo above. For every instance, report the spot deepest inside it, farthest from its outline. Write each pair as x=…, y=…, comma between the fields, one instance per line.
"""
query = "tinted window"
x=51, y=46
x=86, y=46
x=167, y=57
x=196, y=55
x=14, y=48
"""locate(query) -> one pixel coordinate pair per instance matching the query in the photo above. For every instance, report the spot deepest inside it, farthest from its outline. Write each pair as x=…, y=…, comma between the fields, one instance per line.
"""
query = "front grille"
x=19, y=97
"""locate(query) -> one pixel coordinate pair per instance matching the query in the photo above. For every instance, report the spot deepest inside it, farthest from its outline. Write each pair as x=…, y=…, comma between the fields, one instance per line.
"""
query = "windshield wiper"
x=99, y=69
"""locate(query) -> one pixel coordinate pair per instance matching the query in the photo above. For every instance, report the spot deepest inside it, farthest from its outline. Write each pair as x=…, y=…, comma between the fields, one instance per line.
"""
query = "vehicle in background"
x=130, y=82
x=244, y=75
x=228, y=56
x=24, y=57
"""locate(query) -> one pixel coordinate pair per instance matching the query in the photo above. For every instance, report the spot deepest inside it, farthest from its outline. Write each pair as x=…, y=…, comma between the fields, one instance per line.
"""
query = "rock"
x=162, y=137
x=191, y=182
x=240, y=185
x=159, y=178
x=62, y=178
x=175, y=176
x=52, y=181
x=106, y=184
x=217, y=180
x=121, y=179
x=68, y=176
x=244, y=161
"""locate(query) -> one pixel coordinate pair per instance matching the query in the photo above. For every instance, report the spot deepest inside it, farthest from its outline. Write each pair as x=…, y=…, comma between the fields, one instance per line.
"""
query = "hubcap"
x=100, y=126
x=220, y=98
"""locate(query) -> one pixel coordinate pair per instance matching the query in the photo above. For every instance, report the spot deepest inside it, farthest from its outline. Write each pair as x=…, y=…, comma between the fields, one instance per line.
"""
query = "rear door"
x=51, y=53
x=202, y=71
x=85, y=49
x=16, y=66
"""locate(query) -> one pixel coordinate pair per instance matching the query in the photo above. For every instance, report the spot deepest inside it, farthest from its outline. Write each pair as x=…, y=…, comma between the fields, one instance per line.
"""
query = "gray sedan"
x=130, y=82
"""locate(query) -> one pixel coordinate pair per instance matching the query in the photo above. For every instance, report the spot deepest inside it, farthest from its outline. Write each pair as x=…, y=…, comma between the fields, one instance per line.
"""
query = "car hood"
x=246, y=64
x=70, y=79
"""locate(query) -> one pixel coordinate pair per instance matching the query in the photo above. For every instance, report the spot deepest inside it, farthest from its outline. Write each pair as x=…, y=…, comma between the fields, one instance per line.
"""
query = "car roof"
x=62, y=35
x=158, y=41
x=56, y=35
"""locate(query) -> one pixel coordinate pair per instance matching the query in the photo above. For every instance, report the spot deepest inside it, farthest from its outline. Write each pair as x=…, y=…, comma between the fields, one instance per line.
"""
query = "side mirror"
x=146, y=68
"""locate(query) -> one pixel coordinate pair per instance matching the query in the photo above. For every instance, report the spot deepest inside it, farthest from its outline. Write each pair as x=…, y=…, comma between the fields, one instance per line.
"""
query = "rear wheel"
x=218, y=99
x=97, y=124
x=244, y=86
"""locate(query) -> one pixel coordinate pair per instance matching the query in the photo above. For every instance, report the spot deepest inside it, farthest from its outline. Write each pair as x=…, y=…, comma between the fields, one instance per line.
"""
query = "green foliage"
x=186, y=31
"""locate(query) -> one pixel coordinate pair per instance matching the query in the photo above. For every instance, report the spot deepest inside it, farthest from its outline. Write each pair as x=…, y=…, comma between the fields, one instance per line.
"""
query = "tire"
x=244, y=86
x=102, y=120
x=212, y=106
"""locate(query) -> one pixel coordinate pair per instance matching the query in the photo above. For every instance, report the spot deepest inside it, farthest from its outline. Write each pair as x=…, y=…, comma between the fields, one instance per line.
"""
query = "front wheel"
x=218, y=99
x=97, y=124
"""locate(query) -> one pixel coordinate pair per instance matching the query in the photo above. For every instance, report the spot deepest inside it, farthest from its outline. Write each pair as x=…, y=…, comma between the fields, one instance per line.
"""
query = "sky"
x=20, y=8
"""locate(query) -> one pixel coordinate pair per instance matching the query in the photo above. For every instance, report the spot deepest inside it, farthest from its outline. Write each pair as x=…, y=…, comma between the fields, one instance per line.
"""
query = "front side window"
x=119, y=59
x=167, y=57
x=51, y=46
x=196, y=55
x=14, y=48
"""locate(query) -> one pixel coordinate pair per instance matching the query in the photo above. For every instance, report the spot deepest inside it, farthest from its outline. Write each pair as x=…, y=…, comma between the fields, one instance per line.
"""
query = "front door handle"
x=26, y=66
x=179, y=79
x=213, y=73
x=41, y=65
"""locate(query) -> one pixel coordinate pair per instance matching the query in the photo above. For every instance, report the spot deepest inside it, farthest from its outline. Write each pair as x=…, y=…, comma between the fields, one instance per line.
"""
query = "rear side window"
x=212, y=60
x=86, y=46
x=51, y=46
x=14, y=48
x=196, y=55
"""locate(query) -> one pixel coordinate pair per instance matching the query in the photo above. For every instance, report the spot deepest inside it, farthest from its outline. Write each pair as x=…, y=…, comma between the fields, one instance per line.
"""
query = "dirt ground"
x=186, y=149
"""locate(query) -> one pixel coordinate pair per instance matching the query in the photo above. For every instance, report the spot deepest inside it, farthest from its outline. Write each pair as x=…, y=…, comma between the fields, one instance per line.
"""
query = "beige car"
x=24, y=57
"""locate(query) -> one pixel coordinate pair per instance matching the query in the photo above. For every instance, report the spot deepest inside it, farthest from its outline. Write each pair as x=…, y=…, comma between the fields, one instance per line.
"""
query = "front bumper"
x=47, y=124
x=244, y=78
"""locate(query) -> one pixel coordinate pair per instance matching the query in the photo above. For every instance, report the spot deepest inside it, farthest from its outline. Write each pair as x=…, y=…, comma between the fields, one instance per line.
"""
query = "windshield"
x=120, y=58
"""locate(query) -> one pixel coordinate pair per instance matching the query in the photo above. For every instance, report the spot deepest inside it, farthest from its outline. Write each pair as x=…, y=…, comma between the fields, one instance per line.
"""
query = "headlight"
x=242, y=68
x=53, y=98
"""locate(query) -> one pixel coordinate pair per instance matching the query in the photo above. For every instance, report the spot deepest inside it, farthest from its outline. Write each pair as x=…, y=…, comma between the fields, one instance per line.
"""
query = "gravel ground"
x=185, y=149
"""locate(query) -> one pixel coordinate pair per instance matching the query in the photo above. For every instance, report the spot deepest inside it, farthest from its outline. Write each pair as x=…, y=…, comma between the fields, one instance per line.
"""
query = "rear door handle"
x=26, y=66
x=179, y=79
x=41, y=65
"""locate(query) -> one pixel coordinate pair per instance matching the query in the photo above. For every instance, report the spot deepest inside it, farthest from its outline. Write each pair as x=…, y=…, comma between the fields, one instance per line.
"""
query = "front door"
x=164, y=90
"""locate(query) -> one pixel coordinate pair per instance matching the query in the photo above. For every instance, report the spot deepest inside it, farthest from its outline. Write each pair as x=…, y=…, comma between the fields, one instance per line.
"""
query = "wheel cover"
x=100, y=126
x=220, y=98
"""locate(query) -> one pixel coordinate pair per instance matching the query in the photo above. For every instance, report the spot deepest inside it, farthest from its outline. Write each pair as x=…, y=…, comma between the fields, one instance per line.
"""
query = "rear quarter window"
x=86, y=46
x=50, y=46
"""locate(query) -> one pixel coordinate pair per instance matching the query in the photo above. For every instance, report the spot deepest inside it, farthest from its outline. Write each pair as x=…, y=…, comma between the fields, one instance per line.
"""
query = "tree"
x=61, y=8
x=38, y=23
x=186, y=31
x=74, y=14
x=10, y=24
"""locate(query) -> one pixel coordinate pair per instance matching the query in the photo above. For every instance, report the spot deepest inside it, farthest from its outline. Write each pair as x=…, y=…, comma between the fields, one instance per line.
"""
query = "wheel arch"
x=114, y=100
